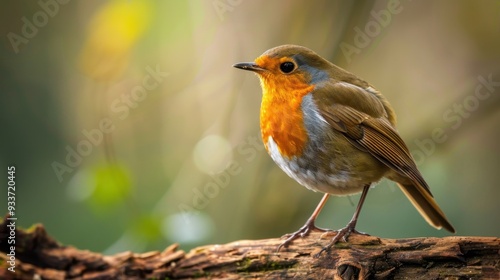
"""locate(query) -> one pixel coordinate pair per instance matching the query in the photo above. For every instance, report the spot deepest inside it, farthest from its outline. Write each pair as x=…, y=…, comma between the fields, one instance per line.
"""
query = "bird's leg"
x=307, y=227
x=350, y=227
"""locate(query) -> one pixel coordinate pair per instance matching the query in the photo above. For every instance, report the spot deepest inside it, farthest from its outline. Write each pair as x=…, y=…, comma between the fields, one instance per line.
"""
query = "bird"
x=334, y=133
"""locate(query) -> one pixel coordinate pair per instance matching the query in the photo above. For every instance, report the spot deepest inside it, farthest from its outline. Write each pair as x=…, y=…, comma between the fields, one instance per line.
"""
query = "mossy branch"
x=38, y=256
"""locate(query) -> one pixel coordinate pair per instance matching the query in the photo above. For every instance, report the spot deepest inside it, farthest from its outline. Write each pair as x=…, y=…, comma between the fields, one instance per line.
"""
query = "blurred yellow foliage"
x=112, y=32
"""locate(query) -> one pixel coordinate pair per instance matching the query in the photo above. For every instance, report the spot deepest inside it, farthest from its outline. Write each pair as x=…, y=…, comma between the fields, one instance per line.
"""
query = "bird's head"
x=288, y=66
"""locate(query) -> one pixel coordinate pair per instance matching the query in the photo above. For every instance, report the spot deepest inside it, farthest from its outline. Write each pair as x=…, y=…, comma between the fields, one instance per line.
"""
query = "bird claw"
x=302, y=232
x=342, y=234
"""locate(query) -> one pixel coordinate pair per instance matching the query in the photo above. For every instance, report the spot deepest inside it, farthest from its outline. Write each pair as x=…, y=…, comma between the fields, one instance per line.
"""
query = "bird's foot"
x=342, y=234
x=302, y=232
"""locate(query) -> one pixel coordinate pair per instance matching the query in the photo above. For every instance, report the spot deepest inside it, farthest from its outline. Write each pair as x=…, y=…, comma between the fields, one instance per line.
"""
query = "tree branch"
x=38, y=256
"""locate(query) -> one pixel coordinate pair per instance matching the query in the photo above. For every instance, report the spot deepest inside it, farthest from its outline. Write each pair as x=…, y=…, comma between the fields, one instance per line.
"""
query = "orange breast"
x=281, y=116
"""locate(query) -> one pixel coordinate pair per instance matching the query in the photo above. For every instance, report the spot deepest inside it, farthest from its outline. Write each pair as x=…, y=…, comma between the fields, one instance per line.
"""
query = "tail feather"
x=426, y=206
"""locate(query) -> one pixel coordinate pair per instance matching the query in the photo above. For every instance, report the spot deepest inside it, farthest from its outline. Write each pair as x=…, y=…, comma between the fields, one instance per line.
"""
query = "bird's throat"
x=281, y=117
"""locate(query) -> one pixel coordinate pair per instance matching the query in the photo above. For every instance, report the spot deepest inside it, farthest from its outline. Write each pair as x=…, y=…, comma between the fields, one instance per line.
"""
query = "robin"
x=334, y=133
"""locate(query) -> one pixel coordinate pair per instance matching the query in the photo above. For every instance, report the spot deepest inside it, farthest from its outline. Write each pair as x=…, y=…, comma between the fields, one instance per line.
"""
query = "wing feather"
x=377, y=136
x=364, y=117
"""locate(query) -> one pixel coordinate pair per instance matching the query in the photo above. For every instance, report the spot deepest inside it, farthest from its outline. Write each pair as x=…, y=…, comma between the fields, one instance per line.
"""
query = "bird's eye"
x=287, y=67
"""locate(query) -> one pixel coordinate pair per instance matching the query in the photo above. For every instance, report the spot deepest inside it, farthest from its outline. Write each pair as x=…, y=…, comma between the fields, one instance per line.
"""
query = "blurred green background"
x=130, y=130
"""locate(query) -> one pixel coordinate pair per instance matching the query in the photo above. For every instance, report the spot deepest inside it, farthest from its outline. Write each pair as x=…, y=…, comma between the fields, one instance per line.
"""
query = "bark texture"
x=38, y=256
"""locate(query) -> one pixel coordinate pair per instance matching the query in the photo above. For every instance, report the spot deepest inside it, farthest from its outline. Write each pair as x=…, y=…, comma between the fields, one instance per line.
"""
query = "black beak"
x=250, y=66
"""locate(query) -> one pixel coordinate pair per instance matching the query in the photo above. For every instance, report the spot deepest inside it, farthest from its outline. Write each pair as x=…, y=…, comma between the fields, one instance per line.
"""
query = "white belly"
x=336, y=183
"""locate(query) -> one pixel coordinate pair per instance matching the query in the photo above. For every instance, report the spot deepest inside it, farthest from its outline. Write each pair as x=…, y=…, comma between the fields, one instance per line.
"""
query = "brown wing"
x=372, y=132
x=362, y=118
x=376, y=136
